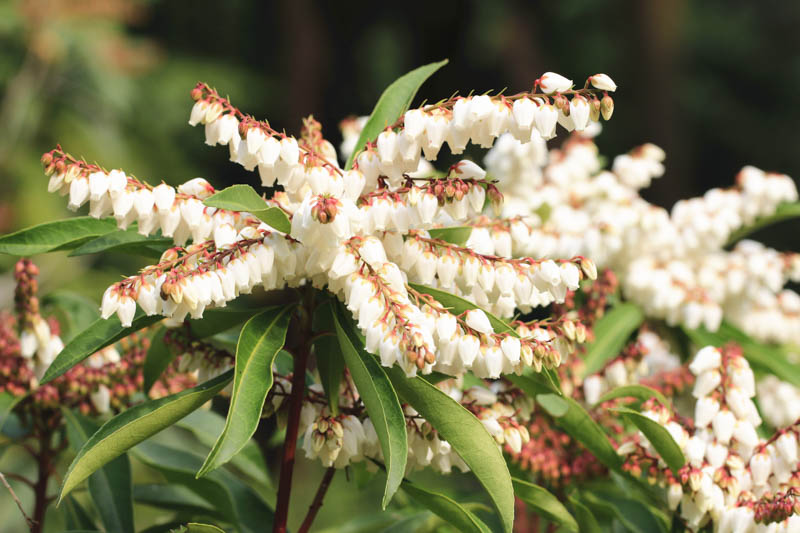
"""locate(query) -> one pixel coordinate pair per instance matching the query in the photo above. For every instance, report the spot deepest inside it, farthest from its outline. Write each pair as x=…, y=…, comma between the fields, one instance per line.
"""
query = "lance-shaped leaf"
x=584, y=517
x=783, y=212
x=244, y=198
x=658, y=436
x=110, y=486
x=235, y=501
x=129, y=241
x=466, y=435
x=58, y=235
x=633, y=514
x=580, y=426
x=261, y=339
x=330, y=362
x=174, y=498
x=394, y=101
x=447, y=508
x=157, y=359
x=380, y=399
x=98, y=335
x=610, y=333
x=640, y=392
x=457, y=235
x=193, y=527
x=131, y=427
x=544, y=503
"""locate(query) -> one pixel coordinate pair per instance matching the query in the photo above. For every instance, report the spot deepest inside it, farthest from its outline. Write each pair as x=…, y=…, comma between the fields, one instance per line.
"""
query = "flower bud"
x=603, y=82
x=551, y=82
x=607, y=107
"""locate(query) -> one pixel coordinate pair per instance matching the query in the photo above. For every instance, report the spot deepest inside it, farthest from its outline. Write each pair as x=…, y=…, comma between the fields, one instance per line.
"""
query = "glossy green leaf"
x=457, y=235
x=75, y=516
x=457, y=305
x=206, y=426
x=193, y=527
x=447, y=508
x=328, y=354
x=157, y=359
x=658, y=436
x=783, y=212
x=394, y=101
x=585, y=518
x=58, y=235
x=174, y=498
x=765, y=357
x=574, y=419
x=244, y=198
x=533, y=383
x=131, y=427
x=110, y=486
x=98, y=335
x=640, y=392
x=7, y=403
x=380, y=399
x=261, y=339
x=633, y=514
x=466, y=434
x=610, y=334
x=123, y=241
x=544, y=504
x=234, y=500
x=75, y=312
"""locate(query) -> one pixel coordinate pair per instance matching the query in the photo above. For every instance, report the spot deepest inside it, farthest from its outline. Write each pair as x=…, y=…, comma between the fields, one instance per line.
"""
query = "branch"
x=317, y=503
x=29, y=520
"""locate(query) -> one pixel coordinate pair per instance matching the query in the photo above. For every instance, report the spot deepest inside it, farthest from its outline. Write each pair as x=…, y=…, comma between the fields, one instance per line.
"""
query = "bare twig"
x=28, y=519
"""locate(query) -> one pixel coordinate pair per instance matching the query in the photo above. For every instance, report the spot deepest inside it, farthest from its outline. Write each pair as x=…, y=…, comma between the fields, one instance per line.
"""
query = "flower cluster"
x=350, y=436
x=561, y=204
x=733, y=477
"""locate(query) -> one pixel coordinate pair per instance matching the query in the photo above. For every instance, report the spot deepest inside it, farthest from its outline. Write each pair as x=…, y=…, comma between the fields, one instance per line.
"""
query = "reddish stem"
x=40, y=487
x=317, y=503
x=295, y=404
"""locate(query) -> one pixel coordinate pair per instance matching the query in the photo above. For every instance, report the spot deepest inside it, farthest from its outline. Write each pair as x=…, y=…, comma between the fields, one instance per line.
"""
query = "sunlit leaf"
x=640, y=392
x=544, y=503
x=261, y=339
x=131, y=427
x=58, y=235
x=658, y=436
x=782, y=212
x=244, y=198
x=394, y=101
x=610, y=333
x=457, y=235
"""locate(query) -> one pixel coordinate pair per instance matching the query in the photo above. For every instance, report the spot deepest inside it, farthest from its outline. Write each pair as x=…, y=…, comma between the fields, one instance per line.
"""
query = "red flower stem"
x=317, y=503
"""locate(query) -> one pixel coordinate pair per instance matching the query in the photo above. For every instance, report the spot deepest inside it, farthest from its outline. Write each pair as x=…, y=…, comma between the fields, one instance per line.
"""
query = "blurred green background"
x=713, y=82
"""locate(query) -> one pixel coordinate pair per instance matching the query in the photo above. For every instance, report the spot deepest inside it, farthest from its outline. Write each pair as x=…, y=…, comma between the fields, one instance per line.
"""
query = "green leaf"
x=658, y=436
x=131, y=427
x=328, y=354
x=193, y=527
x=544, y=504
x=75, y=516
x=466, y=435
x=448, y=509
x=98, y=335
x=585, y=518
x=157, y=359
x=633, y=514
x=110, y=487
x=769, y=358
x=457, y=235
x=7, y=403
x=244, y=198
x=261, y=339
x=783, y=212
x=533, y=383
x=640, y=392
x=123, y=241
x=580, y=426
x=610, y=333
x=394, y=101
x=175, y=498
x=235, y=501
x=57, y=235
x=381, y=402
x=457, y=305
x=206, y=426
x=75, y=312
